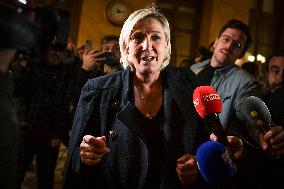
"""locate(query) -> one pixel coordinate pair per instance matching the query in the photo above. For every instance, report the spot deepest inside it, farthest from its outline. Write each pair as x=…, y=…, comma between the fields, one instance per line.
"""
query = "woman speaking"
x=137, y=128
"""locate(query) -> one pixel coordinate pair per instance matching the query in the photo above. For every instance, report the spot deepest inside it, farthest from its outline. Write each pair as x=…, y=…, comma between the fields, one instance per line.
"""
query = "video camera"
x=22, y=26
x=16, y=30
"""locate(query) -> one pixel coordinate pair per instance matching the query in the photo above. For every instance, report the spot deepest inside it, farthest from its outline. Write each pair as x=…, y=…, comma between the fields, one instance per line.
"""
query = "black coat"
x=106, y=107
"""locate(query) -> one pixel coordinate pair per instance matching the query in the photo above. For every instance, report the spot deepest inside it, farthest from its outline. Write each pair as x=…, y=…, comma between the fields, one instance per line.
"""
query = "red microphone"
x=208, y=104
x=206, y=101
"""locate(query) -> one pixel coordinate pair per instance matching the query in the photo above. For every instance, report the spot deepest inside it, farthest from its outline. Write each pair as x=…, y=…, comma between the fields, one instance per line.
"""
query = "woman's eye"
x=155, y=37
x=137, y=38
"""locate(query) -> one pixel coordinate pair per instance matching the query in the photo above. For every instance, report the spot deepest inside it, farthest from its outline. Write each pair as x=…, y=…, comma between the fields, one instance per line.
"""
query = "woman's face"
x=147, y=46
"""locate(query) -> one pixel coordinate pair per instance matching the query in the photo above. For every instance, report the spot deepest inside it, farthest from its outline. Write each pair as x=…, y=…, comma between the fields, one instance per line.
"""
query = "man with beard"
x=271, y=172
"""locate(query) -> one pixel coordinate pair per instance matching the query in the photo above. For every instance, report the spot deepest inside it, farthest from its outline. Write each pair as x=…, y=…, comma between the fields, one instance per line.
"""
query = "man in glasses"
x=234, y=84
x=231, y=82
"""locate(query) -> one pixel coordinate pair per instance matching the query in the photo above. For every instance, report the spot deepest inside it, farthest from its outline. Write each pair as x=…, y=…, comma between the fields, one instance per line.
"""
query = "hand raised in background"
x=92, y=59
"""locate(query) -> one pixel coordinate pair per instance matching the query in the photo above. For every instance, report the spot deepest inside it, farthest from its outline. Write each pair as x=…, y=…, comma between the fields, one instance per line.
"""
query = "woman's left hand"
x=187, y=169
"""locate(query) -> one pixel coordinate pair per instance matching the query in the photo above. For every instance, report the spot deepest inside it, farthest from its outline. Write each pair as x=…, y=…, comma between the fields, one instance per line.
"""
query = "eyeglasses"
x=227, y=39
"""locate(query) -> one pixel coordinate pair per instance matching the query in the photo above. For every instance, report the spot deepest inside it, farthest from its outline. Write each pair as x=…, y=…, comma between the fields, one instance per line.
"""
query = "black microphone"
x=255, y=113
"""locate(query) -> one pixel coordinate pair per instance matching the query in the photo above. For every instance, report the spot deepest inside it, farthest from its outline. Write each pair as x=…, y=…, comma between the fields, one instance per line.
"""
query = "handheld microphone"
x=214, y=162
x=208, y=104
x=256, y=113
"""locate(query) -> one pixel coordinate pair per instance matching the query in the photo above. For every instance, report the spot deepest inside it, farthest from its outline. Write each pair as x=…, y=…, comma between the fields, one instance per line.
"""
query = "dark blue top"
x=152, y=134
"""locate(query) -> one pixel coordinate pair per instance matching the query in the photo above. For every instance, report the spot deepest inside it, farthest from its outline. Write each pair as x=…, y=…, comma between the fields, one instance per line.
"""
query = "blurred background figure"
x=269, y=169
x=17, y=31
x=252, y=68
x=80, y=52
x=107, y=59
x=202, y=54
x=69, y=56
x=275, y=80
x=46, y=121
x=41, y=87
x=186, y=63
x=94, y=63
x=275, y=70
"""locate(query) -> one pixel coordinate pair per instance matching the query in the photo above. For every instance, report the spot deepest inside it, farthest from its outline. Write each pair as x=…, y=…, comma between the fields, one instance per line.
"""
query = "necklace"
x=148, y=114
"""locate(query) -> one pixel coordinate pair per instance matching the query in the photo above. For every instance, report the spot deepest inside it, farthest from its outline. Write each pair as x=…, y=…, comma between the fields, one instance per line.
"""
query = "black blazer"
x=106, y=107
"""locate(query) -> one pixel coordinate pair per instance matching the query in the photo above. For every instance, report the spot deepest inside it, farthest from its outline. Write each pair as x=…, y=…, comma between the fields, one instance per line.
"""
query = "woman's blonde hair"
x=128, y=28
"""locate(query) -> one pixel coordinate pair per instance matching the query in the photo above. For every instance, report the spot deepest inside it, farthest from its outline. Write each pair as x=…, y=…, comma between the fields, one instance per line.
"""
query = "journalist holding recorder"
x=137, y=128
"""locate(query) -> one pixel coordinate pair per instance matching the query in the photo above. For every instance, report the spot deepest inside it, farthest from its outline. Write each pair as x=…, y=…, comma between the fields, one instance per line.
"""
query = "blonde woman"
x=137, y=128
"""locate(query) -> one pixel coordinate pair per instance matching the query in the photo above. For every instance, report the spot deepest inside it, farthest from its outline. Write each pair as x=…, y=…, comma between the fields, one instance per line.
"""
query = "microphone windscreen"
x=214, y=161
x=206, y=101
x=255, y=113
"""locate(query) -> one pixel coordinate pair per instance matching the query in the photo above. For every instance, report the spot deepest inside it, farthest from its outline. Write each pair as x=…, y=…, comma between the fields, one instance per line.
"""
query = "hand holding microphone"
x=235, y=143
x=273, y=141
x=257, y=115
x=215, y=159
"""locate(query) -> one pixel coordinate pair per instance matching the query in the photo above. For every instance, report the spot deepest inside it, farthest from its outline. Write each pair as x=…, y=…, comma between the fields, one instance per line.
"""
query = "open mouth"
x=148, y=58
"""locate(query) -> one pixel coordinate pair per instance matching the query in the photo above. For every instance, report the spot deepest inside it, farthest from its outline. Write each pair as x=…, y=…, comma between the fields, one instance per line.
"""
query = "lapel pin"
x=112, y=134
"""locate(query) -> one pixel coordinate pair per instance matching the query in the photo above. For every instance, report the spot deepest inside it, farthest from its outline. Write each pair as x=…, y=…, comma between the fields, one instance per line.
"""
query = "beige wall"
x=94, y=24
x=217, y=12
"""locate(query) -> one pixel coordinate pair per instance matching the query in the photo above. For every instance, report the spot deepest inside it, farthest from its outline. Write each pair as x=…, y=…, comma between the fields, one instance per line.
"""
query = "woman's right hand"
x=92, y=149
x=187, y=169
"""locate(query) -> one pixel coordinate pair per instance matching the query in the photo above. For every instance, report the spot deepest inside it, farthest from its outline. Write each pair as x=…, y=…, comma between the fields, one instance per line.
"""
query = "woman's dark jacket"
x=106, y=107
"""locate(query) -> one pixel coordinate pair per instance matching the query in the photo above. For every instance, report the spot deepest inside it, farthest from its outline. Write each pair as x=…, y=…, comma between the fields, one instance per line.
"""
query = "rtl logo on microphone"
x=206, y=101
x=207, y=98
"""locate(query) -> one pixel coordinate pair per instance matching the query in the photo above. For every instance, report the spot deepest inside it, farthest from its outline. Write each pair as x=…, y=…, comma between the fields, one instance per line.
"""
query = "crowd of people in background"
x=46, y=92
x=40, y=87
x=130, y=109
